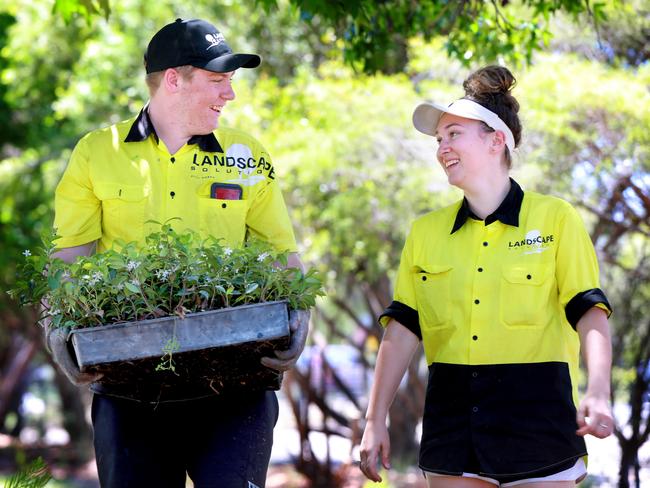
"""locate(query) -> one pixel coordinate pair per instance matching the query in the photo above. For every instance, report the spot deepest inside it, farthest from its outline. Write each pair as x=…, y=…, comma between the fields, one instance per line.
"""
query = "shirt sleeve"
x=77, y=210
x=404, y=308
x=577, y=270
x=268, y=218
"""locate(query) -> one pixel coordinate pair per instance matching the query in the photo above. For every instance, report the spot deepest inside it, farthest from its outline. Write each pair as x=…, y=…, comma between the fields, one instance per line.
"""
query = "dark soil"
x=195, y=373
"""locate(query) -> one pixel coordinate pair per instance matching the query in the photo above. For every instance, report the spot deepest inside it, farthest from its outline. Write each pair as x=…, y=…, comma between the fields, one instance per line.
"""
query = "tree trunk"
x=23, y=352
x=628, y=459
x=74, y=407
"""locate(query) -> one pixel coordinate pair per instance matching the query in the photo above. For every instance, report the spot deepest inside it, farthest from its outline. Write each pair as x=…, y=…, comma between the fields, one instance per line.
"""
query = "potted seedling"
x=180, y=306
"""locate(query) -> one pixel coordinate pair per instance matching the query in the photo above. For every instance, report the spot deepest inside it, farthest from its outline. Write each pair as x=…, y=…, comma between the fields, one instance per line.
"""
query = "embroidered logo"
x=238, y=161
x=252, y=485
x=533, y=243
x=214, y=39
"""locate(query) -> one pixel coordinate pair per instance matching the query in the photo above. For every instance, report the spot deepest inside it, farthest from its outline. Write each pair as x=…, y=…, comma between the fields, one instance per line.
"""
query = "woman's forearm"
x=395, y=353
x=596, y=346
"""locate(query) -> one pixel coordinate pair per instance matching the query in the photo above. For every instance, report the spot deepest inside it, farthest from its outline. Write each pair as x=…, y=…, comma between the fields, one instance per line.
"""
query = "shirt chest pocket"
x=224, y=219
x=526, y=294
x=433, y=293
x=123, y=210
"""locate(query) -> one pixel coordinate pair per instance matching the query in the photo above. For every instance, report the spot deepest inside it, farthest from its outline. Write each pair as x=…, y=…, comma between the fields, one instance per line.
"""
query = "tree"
x=591, y=146
x=375, y=34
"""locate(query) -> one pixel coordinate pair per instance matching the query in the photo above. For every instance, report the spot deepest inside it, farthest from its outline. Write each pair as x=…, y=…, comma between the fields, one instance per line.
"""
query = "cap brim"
x=426, y=117
x=231, y=62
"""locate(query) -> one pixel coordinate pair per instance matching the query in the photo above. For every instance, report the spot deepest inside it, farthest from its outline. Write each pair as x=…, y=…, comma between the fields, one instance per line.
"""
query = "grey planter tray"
x=220, y=348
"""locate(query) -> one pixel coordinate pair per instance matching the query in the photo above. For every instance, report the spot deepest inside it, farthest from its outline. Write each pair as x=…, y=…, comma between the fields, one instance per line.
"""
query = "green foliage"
x=476, y=31
x=174, y=274
x=34, y=475
x=620, y=40
x=87, y=8
x=373, y=35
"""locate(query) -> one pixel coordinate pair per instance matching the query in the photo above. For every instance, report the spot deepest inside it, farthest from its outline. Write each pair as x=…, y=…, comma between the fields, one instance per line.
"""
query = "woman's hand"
x=601, y=422
x=374, y=443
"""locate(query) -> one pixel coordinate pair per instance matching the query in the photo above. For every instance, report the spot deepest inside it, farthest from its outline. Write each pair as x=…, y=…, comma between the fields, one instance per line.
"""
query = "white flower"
x=96, y=278
x=135, y=282
x=162, y=274
x=27, y=253
x=262, y=256
x=120, y=286
x=227, y=251
x=131, y=265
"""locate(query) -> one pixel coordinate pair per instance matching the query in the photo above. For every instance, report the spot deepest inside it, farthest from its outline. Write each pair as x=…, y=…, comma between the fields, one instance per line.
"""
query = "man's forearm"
x=69, y=254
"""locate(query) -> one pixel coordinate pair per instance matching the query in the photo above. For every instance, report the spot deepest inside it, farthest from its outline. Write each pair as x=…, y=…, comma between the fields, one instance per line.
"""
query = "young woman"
x=502, y=289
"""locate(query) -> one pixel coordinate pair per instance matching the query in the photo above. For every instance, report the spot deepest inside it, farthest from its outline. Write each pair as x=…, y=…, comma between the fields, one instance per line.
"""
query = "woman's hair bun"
x=490, y=86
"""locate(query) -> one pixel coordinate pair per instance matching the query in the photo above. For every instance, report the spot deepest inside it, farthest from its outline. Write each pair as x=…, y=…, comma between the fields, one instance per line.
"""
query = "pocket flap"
x=430, y=268
x=129, y=193
x=527, y=275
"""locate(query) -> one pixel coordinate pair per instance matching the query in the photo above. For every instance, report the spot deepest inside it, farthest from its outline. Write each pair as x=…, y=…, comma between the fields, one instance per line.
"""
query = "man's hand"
x=56, y=341
x=299, y=328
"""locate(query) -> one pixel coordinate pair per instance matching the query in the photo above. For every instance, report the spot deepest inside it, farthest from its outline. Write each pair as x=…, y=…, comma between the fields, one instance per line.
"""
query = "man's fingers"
x=292, y=351
x=277, y=364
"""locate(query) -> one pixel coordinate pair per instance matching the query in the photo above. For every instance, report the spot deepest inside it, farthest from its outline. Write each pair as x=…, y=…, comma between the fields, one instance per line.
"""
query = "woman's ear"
x=498, y=141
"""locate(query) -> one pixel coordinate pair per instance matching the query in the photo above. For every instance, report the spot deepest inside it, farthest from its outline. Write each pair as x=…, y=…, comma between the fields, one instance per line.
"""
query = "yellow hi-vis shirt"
x=495, y=303
x=123, y=176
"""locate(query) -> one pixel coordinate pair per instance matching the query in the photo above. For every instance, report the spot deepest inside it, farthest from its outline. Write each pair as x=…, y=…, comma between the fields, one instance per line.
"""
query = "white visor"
x=427, y=115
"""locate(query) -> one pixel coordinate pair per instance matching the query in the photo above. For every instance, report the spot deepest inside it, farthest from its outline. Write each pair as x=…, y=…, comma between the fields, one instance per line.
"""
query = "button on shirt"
x=123, y=176
x=496, y=303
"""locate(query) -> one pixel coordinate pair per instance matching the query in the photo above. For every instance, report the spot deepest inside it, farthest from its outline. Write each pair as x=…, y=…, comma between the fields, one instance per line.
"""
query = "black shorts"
x=219, y=441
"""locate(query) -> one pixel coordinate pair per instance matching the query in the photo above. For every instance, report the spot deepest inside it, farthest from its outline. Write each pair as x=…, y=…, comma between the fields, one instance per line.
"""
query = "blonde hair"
x=154, y=79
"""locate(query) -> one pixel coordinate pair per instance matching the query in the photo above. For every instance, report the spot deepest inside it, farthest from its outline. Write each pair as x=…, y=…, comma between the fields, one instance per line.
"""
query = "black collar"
x=508, y=211
x=143, y=128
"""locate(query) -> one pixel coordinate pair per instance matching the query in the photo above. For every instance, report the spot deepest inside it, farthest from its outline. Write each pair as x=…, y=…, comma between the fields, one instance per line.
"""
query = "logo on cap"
x=214, y=39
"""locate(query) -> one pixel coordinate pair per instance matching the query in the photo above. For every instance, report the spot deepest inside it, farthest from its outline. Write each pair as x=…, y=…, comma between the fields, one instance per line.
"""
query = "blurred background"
x=332, y=103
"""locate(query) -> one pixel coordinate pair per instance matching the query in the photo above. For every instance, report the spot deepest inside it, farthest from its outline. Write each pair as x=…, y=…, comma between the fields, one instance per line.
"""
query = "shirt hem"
x=501, y=475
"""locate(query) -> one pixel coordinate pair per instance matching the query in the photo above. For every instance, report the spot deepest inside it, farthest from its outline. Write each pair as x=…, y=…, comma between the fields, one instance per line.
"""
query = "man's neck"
x=168, y=130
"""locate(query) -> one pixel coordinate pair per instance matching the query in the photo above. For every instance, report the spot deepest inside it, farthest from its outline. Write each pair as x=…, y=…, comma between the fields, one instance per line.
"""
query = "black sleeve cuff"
x=582, y=302
x=405, y=315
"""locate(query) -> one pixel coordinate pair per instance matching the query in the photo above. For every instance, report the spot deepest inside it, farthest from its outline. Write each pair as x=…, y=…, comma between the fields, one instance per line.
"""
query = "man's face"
x=204, y=95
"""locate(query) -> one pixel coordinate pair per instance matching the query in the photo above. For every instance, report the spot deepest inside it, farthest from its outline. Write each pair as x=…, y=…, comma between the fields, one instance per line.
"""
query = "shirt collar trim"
x=142, y=128
x=507, y=212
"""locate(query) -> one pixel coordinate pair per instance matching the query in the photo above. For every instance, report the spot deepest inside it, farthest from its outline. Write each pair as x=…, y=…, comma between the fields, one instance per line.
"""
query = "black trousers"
x=218, y=441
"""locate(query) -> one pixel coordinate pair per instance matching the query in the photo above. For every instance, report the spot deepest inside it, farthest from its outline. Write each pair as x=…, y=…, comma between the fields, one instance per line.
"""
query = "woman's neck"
x=486, y=198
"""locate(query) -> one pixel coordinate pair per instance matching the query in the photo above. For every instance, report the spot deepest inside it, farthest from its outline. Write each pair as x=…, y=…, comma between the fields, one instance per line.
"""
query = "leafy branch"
x=172, y=274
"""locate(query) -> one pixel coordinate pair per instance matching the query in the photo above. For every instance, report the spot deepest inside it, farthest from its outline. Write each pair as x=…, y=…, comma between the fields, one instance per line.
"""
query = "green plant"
x=172, y=274
x=34, y=475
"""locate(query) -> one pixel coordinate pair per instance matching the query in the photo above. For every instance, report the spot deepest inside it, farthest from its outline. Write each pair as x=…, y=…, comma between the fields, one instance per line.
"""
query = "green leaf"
x=251, y=288
x=131, y=287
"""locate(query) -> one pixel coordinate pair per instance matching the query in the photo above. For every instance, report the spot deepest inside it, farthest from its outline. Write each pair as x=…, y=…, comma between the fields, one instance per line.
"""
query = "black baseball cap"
x=196, y=43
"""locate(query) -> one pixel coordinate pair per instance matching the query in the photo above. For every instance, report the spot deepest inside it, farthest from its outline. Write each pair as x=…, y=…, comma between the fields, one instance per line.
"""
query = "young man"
x=172, y=160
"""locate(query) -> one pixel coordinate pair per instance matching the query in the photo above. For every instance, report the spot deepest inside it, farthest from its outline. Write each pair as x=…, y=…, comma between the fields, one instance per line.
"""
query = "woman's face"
x=463, y=149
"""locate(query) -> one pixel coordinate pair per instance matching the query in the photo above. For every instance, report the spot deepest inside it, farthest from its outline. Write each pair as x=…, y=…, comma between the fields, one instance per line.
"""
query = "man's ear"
x=171, y=80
